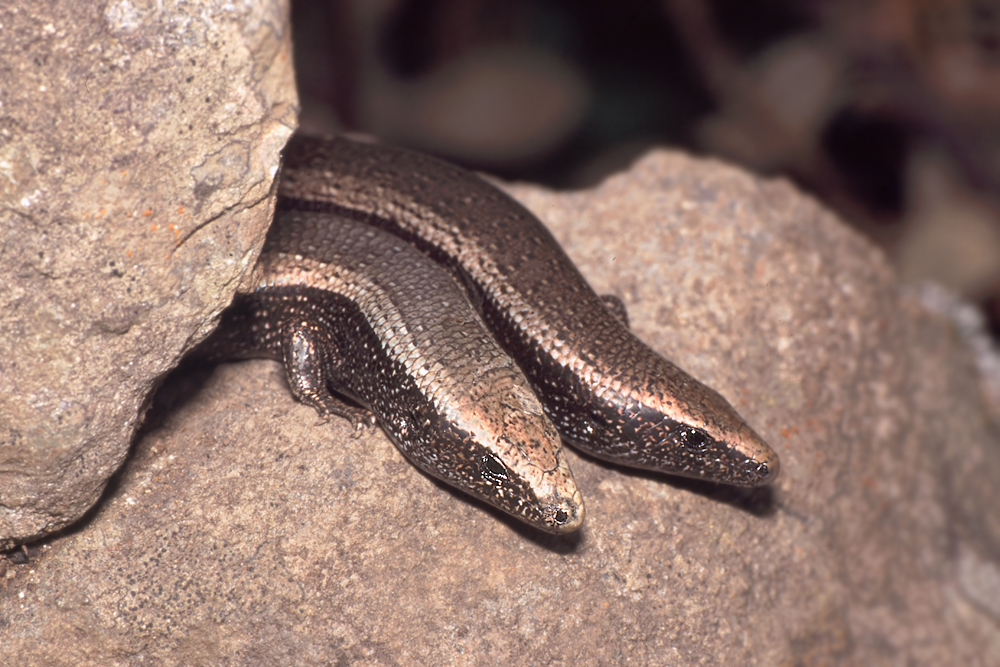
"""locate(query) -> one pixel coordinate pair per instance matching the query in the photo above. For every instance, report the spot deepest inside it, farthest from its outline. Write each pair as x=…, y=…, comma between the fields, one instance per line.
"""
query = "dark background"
x=886, y=110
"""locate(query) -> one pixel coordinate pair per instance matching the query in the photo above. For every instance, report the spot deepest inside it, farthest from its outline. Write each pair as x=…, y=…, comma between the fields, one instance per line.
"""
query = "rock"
x=244, y=533
x=138, y=150
x=473, y=109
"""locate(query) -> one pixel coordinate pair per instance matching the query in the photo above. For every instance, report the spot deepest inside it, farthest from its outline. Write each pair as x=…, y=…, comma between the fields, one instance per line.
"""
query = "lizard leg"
x=308, y=354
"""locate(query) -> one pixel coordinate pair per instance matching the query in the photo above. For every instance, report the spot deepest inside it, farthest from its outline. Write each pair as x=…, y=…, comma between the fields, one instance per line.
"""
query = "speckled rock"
x=244, y=533
x=138, y=150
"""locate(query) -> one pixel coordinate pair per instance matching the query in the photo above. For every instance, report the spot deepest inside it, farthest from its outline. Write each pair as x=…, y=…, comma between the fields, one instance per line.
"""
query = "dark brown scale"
x=606, y=391
x=354, y=311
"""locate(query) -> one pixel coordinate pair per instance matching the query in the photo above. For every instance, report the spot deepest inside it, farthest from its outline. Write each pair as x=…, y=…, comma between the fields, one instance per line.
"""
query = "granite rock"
x=139, y=145
x=241, y=532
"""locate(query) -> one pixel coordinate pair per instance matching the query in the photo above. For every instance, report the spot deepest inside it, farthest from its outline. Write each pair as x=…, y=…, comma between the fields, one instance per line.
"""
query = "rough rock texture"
x=138, y=148
x=243, y=533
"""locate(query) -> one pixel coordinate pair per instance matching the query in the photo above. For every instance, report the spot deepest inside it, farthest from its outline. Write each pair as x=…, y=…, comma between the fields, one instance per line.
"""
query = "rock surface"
x=243, y=533
x=138, y=149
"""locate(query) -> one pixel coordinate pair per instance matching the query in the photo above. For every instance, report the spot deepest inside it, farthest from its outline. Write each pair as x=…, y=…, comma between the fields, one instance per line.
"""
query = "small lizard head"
x=701, y=436
x=498, y=446
x=660, y=418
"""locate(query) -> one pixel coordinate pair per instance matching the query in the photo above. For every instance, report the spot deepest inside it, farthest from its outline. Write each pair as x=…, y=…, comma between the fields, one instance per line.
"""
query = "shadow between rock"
x=173, y=391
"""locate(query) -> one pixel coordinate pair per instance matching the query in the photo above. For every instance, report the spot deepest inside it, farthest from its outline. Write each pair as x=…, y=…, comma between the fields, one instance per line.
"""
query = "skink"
x=606, y=391
x=352, y=308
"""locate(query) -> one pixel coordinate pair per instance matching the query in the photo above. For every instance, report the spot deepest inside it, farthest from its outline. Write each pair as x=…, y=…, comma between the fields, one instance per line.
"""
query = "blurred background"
x=888, y=111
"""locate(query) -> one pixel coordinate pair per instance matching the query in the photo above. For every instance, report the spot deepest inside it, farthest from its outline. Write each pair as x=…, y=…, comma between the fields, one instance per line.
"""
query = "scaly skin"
x=605, y=390
x=357, y=310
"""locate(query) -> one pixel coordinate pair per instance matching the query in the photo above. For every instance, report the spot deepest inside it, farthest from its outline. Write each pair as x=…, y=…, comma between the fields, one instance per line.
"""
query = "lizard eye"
x=694, y=440
x=492, y=469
